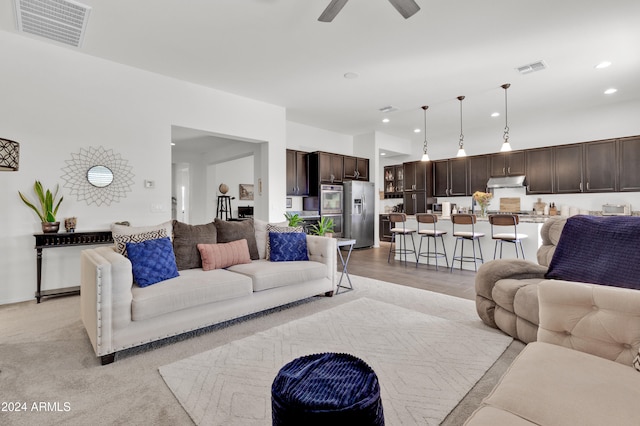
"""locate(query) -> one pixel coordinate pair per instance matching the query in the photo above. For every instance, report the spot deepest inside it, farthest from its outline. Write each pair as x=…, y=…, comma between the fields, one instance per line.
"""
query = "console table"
x=64, y=239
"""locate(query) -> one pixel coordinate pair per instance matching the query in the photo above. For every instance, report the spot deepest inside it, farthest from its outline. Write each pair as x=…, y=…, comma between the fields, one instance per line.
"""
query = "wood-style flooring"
x=372, y=263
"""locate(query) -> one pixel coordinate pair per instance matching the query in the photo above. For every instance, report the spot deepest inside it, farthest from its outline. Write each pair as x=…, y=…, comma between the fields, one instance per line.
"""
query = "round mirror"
x=100, y=176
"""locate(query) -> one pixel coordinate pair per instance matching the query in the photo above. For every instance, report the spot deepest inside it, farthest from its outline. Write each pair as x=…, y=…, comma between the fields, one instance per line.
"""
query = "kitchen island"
x=529, y=224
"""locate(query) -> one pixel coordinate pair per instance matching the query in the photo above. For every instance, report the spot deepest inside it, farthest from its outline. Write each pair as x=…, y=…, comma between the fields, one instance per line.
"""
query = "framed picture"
x=246, y=191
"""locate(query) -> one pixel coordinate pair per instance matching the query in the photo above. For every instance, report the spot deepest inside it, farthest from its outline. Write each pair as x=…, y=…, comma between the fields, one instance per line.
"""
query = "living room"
x=59, y=101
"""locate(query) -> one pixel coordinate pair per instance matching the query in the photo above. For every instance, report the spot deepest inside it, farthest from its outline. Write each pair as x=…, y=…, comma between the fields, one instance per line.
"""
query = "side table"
x=64, y=239
x=344, y=242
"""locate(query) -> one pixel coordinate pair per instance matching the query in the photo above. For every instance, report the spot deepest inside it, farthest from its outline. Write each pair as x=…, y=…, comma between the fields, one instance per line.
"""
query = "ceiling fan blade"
x=332, y=10
x=407, y=8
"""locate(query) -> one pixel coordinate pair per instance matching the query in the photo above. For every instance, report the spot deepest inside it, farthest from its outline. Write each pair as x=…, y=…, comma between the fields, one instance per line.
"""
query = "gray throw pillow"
x=238, y=230
x=185, y=243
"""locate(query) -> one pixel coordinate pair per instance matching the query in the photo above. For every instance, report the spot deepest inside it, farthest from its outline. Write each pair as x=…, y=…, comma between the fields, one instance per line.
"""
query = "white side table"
x=344, y=242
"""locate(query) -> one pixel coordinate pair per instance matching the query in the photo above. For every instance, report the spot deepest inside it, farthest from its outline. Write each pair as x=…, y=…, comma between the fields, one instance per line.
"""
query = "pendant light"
x=506, y=146
x=461, y=152
x=425, y=156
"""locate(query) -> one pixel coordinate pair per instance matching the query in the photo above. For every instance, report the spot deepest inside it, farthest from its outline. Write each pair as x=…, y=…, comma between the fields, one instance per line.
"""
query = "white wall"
x=232, y=173
x=57, y=101
x=306, y=138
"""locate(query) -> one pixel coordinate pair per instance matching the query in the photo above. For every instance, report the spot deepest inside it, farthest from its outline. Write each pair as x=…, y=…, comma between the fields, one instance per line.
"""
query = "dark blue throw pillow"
x=152, y=261
x=289, y=246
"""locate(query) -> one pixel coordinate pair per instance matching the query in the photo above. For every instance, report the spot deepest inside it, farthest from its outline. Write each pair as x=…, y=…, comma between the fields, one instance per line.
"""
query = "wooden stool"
x=466, y=219
x=402, y=231
x=431, y=232
x=514, y=238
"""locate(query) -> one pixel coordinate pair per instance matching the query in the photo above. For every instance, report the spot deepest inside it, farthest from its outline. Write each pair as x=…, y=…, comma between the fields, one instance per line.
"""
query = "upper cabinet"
x=478, y=170
x=394, y=181
x=628, y=161
x=416, y=174
x=507, y=164
x=356, y=168
x=450, y=177
x=331, y=167
x=539, y=171
x=297, y=173
x=568, y=168
x=600, y=165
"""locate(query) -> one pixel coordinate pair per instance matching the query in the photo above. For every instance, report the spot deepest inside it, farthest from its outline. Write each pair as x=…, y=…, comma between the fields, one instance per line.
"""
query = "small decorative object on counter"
x=539, y=206
x=70, y=224
x=482, y=199
x=553, y=210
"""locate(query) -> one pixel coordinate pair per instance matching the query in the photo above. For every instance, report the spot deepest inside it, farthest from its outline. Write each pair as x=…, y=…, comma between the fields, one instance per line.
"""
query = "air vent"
x=529, y=68
x=63, y=21
x=388, y=108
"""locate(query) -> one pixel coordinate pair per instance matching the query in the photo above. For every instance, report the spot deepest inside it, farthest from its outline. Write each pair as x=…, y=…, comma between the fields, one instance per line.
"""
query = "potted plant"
x=293, y=219
x=48, y=206
x=323, y=228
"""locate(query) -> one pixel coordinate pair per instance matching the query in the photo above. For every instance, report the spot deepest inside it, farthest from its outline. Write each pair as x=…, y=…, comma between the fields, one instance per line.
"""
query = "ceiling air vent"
x=529, y=68
x=388, y=108
x=64, y=21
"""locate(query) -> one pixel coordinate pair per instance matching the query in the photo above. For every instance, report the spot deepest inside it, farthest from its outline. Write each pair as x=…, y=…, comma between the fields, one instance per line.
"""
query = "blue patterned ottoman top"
x=320, y=388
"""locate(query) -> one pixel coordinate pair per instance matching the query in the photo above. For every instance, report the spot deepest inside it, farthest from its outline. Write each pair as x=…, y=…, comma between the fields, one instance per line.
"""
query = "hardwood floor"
x=372, y=263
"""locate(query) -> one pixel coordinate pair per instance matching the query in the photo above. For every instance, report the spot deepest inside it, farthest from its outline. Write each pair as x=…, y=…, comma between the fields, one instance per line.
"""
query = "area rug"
x=425, y=364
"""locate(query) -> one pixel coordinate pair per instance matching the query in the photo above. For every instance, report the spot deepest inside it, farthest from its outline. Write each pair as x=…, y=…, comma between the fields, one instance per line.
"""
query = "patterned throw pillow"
x=123, y=234
x=290, y=246
x=223, y=255
x=280, y=230
x=636, y=361
x=152, y=261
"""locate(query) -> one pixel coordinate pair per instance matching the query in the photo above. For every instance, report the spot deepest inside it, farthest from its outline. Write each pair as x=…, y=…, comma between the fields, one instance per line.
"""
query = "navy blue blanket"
x=599, y=250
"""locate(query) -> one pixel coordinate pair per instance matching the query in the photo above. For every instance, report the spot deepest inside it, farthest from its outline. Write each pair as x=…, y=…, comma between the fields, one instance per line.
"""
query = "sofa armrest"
x=596, y=319
x=323, y=250
x=492, y=272
x=105, y=295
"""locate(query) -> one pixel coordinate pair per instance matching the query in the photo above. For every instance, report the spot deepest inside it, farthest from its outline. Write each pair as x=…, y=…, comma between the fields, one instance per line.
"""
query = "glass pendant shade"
x=461, y=153
x=425, y=157
x=506, y=147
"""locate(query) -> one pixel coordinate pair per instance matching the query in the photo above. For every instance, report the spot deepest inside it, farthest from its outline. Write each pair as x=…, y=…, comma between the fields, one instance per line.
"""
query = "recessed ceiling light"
x=383, y=153
x=416, y=130
x=603, y=64
x=351, y=75
x=173, y=144
x=385, y=120
x=495, y=114
x=610, y=91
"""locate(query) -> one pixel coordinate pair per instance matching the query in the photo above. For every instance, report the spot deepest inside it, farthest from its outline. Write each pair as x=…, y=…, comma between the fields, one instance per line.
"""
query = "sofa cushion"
x=549, y=384
x=185, y=240
x=223, y=255
x=279, y=229
x=152, y=261
x=636, y=361
x=504, y=291
x=233, y=231
x=288, y=247
x=123, y=234
x=266, y=274
x=194, y=287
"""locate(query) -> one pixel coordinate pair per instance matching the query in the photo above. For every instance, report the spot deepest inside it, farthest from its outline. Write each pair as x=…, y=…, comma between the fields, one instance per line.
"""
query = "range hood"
x=506, y=182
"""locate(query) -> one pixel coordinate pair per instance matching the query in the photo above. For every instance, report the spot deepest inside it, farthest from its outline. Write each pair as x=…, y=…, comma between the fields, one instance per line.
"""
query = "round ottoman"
x=322, y=388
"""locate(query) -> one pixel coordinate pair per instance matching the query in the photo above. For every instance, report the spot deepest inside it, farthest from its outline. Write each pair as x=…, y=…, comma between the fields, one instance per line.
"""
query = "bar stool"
x=402, y=231
x=431, y=232
x=515, y=238
x=466, y=219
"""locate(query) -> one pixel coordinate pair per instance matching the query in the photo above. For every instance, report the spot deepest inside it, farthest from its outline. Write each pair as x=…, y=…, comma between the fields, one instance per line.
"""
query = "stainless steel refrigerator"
x=359, y=199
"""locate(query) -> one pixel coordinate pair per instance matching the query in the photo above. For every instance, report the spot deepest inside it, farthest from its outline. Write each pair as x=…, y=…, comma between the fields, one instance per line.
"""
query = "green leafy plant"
x=293, y=219
x=47, y=212
x=324, y=226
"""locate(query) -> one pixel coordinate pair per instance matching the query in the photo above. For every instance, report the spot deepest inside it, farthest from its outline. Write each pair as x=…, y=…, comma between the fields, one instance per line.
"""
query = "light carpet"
x=425, y=363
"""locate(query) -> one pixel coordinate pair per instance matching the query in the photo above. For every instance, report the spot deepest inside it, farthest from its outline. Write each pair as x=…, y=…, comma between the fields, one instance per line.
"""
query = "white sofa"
x=579, y=371
x=118, y=314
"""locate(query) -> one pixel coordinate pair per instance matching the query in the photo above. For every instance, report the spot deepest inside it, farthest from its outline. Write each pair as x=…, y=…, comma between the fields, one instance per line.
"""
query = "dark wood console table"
x=65, y=239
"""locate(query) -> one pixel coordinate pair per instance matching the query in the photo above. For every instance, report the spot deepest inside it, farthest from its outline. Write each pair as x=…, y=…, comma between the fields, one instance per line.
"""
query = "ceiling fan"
x=407, y=9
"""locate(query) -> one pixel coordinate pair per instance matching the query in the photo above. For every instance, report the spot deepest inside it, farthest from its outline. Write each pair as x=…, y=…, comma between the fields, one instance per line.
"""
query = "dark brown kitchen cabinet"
x=324, y=168
x=568, y=168
x=356, y=168
x=297, y=177
x=416, y=175
x=415, y=202
x=385, y=228
x=628, y=164
x=394, y=181
x=539, y=171
x=600, y=166
x=507, y=164
x=478, y=170
x=450, y=177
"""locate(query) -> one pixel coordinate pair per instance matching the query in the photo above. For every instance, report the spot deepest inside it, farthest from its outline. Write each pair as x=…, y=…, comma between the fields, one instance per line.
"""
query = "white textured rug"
x=425, y=363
